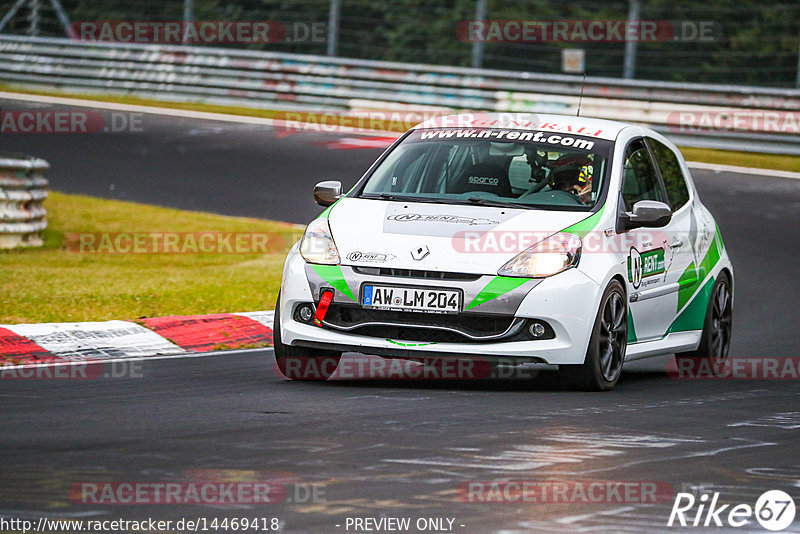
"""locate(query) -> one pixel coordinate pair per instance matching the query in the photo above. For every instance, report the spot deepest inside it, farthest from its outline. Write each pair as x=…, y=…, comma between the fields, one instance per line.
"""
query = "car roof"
x=600, y=128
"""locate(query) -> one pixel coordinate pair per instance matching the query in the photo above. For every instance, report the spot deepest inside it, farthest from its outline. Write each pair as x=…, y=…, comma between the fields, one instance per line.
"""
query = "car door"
x=681, y=274
x=650, y=254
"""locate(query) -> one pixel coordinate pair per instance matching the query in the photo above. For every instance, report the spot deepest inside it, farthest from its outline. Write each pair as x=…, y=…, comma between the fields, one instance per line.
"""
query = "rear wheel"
x=717, y=326
x=605, y=355
x=301, y=363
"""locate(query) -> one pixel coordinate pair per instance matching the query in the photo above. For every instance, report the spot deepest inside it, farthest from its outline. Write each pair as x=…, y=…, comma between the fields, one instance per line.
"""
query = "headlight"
x=317, y=245
x=546, y=258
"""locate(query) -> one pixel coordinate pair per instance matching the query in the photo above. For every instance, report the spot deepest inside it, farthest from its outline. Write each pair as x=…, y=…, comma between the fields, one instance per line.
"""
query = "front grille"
x=431, y=327
x=415, y=273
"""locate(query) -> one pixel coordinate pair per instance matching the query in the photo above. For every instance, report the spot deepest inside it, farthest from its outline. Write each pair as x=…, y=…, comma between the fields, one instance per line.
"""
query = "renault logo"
x=420, y=252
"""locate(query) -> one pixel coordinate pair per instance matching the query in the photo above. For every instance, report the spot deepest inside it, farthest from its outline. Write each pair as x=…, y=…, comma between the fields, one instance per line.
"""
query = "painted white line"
x=742, y=170
x=183, y=113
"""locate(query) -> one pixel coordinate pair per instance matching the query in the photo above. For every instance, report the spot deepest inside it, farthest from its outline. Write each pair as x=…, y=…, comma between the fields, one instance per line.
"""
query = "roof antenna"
x=580, y=98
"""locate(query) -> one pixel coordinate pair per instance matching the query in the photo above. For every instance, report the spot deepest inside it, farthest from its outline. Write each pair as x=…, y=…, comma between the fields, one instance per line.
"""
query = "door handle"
x=676, y=243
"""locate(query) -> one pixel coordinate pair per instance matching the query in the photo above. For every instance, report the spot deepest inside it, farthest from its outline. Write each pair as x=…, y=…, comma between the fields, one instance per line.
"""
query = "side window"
x=674, y=180
x=519, y=174
x=640, y=181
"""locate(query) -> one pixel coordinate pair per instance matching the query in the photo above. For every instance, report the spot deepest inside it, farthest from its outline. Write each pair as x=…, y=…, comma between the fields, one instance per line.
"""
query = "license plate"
x=411, y=299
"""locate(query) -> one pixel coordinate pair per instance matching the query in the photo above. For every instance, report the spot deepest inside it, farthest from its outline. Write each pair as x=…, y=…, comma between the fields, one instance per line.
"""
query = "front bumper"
x=567, y=302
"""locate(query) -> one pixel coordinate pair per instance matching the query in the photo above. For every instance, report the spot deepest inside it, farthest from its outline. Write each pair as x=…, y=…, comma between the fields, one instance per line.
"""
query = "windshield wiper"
x=497, y=204
x=403, y=198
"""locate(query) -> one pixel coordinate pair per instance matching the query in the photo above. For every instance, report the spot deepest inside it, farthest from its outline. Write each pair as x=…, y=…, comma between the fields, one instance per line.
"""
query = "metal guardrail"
x=303, y=82
x=22, y=194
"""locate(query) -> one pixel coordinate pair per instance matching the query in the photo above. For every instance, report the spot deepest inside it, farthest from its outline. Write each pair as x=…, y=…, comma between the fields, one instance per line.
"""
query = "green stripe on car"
x=334, y=276
x=582, y=228
x=631, y=328
x=687, y=282
x=694, y=315
x=498, y=286
x=709, y=261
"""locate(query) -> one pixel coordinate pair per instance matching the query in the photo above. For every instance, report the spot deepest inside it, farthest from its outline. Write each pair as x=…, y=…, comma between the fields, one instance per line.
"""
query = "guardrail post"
x=188, y=18
x=631, y=36
x=477, y=45
x=797, y=83
x=334, y=15
x=23, y=190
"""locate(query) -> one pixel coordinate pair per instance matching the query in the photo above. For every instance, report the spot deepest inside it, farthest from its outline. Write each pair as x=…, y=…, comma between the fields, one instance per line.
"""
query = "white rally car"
x=516, y=238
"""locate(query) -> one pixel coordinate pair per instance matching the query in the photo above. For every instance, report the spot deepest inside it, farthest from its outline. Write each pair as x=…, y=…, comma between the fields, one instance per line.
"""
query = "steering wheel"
x=559, y=194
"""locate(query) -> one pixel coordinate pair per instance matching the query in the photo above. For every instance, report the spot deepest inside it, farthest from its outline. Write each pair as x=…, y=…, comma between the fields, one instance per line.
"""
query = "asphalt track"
x=387, y=448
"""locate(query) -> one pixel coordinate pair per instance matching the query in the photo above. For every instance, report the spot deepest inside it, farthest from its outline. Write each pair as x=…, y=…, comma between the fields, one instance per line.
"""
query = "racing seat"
x=483, y=177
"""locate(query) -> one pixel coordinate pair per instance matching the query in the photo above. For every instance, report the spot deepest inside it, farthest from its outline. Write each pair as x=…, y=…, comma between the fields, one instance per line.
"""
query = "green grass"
x=707, y=155
x=780, y=162
x=54, y=284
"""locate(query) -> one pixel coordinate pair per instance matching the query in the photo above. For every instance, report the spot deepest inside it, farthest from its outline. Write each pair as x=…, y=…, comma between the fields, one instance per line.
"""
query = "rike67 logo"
x=774, y=510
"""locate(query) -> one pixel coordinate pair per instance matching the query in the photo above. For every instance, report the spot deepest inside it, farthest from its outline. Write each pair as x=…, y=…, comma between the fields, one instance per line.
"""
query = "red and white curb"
x=31, y=344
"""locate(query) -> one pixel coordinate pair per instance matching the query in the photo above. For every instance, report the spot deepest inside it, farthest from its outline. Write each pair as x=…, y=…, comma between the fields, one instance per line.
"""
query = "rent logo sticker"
x=641, y=265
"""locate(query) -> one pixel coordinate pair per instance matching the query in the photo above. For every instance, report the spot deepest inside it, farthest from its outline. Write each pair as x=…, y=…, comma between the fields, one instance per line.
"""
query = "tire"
x=715, y=341
x=605, y=354
x=301, y=363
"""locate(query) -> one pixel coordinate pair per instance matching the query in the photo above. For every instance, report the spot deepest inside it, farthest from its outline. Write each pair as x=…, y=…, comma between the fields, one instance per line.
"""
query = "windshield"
x=512, y=168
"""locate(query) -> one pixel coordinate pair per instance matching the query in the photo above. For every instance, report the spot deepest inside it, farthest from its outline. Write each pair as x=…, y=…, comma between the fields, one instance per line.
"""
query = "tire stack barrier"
x=23, y=190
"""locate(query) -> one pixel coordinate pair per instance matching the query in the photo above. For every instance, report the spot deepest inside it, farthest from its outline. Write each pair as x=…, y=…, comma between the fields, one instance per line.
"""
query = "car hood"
x=438, y=237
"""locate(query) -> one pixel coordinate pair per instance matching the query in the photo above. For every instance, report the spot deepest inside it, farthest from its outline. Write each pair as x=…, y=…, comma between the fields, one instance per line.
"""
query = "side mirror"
x=326, y=193
x=647, y=213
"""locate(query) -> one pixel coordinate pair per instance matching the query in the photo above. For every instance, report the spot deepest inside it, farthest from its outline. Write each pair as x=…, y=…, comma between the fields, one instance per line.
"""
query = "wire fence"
x=742, y=42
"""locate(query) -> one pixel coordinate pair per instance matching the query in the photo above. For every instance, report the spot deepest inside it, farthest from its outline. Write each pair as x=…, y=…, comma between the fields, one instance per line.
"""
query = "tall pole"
x=797, y=83
x=63, y=18
x=34, y=18
x=631, y=36
x=333, y=27
x=477, y=45
x=188, y=18
x=10, y=14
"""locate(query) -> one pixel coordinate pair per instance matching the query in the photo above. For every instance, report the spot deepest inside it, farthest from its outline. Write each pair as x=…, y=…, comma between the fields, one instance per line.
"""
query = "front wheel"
x=605, y=355
x=301, y=363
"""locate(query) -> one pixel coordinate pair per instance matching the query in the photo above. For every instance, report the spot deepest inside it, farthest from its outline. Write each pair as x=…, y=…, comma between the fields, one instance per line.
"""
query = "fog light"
x=306, y=313
x=537, y=329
